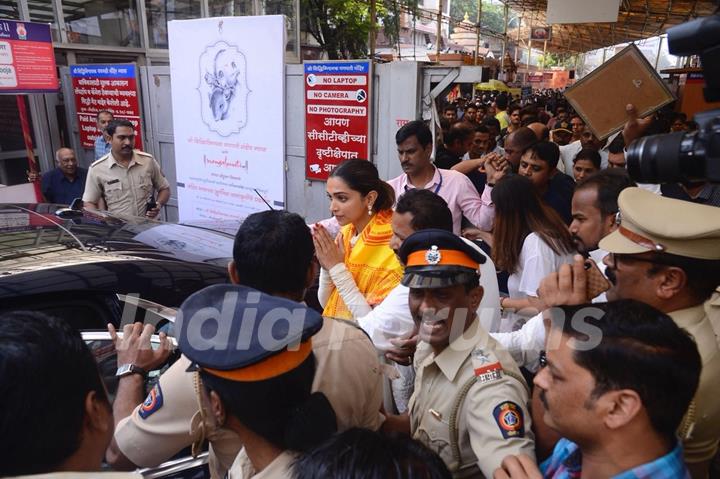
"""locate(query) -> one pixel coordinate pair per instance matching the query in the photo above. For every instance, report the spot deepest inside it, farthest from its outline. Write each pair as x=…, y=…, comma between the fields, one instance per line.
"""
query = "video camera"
x=686, y=156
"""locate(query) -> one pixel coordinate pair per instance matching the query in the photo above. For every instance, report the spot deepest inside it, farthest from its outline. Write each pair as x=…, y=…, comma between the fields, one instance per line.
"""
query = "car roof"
x=44, y=254
x=35, y=231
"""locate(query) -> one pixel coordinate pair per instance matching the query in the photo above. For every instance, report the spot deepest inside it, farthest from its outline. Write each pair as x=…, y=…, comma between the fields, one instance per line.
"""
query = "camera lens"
x=666, y=158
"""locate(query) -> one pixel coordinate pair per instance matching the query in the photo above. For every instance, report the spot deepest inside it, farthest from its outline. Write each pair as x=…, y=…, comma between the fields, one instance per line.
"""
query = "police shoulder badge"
x=510, y=420
x=485, y=370
x=152, y=403
x=433, y=256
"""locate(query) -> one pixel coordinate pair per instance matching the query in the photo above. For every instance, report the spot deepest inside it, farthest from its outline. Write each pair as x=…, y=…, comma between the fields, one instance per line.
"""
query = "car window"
x=82, y=310
x=103, y=349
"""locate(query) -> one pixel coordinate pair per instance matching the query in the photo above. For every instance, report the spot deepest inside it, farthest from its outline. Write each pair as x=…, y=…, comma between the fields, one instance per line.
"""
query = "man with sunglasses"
x=666, y=253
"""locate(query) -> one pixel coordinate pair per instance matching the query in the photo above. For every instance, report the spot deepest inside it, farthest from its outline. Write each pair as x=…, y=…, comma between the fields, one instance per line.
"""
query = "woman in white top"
x=530, y=242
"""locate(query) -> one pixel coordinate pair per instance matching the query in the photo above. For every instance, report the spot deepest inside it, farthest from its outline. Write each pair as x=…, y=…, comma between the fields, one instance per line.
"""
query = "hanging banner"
x=27, y=60
x=337, y=114
x=228, y=101
x=105, y=87
x=582, y=11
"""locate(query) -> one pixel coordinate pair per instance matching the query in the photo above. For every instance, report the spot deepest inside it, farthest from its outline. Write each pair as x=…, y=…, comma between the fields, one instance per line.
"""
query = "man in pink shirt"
x=414, y=143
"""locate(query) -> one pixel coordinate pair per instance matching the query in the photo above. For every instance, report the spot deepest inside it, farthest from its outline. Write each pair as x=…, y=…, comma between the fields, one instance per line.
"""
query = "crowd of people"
x=512, y=305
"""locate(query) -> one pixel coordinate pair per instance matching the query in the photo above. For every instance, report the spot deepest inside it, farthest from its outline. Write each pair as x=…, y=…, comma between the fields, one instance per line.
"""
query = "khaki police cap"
x=649, y=222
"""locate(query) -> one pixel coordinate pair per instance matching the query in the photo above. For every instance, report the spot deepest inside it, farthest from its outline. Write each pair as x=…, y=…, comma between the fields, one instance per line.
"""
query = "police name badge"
x=485, y=370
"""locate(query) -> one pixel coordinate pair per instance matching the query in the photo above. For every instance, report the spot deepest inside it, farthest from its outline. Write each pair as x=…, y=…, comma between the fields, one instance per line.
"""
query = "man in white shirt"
x=390, y=323
x=418, y=210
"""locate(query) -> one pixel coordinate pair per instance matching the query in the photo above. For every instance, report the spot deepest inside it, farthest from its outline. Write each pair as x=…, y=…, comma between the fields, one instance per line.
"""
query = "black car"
x=83, y=266
x=92, y=268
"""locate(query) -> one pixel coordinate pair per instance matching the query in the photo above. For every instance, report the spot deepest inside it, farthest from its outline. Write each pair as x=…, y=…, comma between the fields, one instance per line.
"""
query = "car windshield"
x=32, y=231
x=24, y=233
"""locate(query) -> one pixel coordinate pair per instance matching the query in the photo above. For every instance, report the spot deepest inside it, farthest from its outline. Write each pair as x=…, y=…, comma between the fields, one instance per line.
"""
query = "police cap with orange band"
x=240, y=334
x=436, y=258
x=652, y=223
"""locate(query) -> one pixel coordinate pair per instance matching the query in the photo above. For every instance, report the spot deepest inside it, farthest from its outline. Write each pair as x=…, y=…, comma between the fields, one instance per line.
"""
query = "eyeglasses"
x=543, y=359
x=630, y=258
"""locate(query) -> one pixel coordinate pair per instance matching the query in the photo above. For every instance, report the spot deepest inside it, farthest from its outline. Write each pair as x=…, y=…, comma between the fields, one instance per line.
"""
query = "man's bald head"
x=542, y=132
x=517, y=143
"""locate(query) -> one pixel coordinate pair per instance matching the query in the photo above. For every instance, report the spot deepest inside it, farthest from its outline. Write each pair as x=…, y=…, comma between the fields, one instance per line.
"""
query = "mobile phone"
x=597, y=283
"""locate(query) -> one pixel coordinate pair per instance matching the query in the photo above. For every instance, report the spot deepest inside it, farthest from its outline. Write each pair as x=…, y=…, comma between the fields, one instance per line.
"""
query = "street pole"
x=373, y=21
x=517, y=43
x=528, y=60
x=505, y=40
x=479, y=24
x=439, y=31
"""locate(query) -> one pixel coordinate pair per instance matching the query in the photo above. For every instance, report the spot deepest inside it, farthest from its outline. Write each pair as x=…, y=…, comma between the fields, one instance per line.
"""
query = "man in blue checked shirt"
x=102, y=145
x=616, y=381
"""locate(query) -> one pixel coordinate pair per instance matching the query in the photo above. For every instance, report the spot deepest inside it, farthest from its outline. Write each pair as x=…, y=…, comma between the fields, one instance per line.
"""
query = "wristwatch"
x=128, y=369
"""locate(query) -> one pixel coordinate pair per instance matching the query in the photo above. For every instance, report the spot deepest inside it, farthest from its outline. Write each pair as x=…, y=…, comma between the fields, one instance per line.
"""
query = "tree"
x=342, y=27
x=557, y=59
x=493, y=15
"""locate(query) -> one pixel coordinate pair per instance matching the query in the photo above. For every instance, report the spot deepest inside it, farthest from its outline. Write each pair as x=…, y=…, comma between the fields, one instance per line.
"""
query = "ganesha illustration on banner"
x=223, y=88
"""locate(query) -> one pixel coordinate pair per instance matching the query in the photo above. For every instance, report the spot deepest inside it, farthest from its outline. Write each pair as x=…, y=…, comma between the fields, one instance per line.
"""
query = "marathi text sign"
x=337, y=115
x=228, y=100
x=105, y=87
x=27, y=60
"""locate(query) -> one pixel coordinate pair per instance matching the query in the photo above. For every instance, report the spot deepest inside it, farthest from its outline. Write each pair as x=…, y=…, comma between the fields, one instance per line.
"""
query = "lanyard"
x=437, y=188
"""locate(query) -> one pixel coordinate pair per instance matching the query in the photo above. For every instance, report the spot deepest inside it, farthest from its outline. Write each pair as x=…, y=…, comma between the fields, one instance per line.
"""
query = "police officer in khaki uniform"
x=258, y=384
x=712, y=308
x=125, y=178
x=470, y=400
x=175, y=416
x=666, y=253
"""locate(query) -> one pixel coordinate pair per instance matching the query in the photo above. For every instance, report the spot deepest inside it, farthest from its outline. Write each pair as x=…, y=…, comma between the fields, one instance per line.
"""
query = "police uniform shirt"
x=279, y=468
x=712, y=308
x=126, y=190
x=347, y=372
x=700, y=429
x=694, y=232
x=492, y=421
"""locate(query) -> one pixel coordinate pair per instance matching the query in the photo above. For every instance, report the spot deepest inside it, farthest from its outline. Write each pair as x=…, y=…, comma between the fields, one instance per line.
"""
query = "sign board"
x=27, y=59
x=105, y=87
x=228, y=101
x=337, y=114
x=582, y=11
x=541, y=33
x=535, y=77
x=631, y=79
x=526, y=92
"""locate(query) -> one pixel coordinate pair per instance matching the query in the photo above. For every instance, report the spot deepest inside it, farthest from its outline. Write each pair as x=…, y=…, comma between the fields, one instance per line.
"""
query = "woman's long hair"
x=519, y=212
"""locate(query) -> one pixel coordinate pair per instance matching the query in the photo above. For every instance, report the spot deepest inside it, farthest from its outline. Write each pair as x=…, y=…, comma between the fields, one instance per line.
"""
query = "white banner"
x=228, y=99
x=582, y=11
